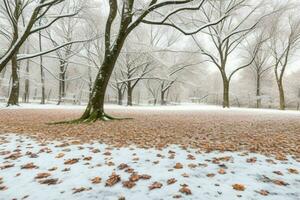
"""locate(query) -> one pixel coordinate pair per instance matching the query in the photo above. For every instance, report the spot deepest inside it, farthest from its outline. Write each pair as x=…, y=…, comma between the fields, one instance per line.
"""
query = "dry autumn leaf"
x=52, y=181
x=171, y=181
x=113, y=179
x=60, y=155
x=178, y=166
x=185, y=190
x=239, y=187
x=155, y=185
x=71, y=161
x=128, y=184
x=263, y=192
x=29, y=166
x=96, y=180
x=293, y=171
x=42, y=175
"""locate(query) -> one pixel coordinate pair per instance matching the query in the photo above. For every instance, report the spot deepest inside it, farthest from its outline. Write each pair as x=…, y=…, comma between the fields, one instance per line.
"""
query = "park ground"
x=186, y=152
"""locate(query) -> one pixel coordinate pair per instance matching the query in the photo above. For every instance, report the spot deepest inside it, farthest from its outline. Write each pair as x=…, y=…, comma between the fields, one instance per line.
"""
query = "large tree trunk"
x=281, y=95
x=226, y=102
x=129, y=94
x=95, y=107
x=258, y=100
x=14, y=94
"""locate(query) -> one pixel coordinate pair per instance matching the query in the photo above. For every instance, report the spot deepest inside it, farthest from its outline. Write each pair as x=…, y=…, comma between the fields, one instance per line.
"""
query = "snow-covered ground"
x=206, y=175
x=182, y=107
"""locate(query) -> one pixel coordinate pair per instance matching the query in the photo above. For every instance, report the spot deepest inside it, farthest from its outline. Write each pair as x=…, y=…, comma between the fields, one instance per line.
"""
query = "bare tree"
x=132, y=14
x=285, y=41
x=227, y=36
x=261, y=64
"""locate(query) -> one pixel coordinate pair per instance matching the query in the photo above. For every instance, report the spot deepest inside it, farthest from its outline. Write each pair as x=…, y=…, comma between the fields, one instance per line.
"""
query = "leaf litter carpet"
x=208, y=154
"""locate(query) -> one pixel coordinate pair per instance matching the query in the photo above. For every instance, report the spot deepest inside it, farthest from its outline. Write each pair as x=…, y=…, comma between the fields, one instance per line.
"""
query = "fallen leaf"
x=96, y=180
x=185, y=190
x=280, y=182
x=5, y=166
x=42, y=175
x=171, y=181
x=113, y=179
x=155, y=185
x=60, y=155
x=145, y=176
x=71, y=161
x=239, y=187
x=122, y=166
x=81, y=189
x=293, y=171
x=263, y=192
x=128, y=184
x=222, y=171
x=51, y=181
x=29, y=166
x=178, y=166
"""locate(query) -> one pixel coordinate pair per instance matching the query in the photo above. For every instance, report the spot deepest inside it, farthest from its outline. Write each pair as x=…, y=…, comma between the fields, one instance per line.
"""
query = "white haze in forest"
x=156, y=60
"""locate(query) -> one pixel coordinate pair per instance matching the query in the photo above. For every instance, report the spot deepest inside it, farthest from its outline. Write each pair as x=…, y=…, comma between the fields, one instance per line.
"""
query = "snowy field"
x=31, y=169
x=182, y=107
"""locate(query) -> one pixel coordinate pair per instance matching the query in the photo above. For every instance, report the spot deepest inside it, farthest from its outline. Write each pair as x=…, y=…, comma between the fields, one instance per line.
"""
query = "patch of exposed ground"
x=205, y=130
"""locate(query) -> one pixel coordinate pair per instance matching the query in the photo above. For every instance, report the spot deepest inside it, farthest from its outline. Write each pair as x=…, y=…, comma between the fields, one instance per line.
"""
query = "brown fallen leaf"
x=123, y=166
x=87, y=158
x=192, y=166
x=60, y=155
x=81, y=189
x=222, y=171
x=293, y=171
x=185, y=190
x=171, y=181
x=42, y=175
x=191, y=157
x=210, y=175
x=128, y=184
x=145, y=176
x=7, y=165
x=280, y=182
x=155, y=185
x=185, y=175
x=29, y=166
x=14, y=156
x=112, y=180
x=239, y=187
x=134, y=177
x=107, y=153
x=71, y=161
x=52, y=169
x=263, y=192
x=178, y=166
x=52, y=181
x=96, y=180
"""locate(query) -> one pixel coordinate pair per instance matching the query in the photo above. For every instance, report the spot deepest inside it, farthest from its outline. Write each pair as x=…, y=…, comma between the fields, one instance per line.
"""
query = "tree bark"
x=27, y=84
x=120, y=96
x=162, y=98
x=258, y=94
x=226, y=102
x=62, y=83
x=14, y=94
x=42, y=69
x=282, y=105
x=129, y=94
x=95, y=107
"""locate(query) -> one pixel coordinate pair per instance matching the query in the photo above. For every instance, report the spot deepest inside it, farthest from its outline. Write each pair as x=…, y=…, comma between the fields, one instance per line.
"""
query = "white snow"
x=182, y=107
x=202, y=187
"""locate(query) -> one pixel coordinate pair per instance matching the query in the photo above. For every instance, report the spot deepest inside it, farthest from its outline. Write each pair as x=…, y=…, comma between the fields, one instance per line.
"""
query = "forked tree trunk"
x=282, y=105
x=95, y=107
x=14, y=94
